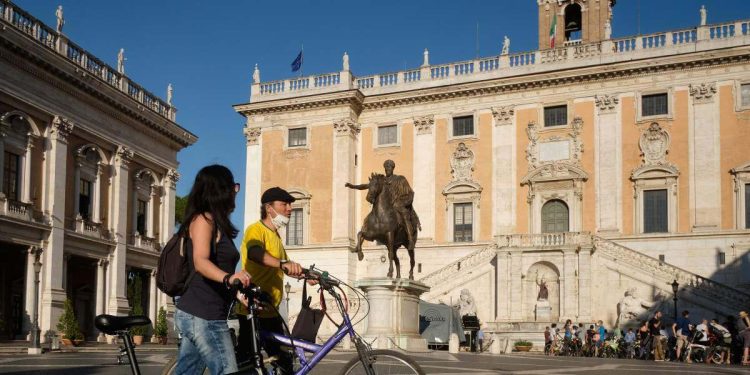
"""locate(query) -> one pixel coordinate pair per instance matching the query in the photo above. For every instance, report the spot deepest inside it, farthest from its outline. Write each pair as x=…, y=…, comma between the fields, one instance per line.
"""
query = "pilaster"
x=101, y=292
x=516, y=287
x=169, y=186
x=424, y=176
x=346, y=132
x=503, y=167
x=53, y=289
x=503, y=285
x=608, y=163
x=118, y=302
x=152, y=305
x=254, y=167
x=705, y=157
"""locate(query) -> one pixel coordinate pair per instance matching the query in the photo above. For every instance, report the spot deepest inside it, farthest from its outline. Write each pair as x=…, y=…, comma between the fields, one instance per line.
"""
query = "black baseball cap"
x=276, y=194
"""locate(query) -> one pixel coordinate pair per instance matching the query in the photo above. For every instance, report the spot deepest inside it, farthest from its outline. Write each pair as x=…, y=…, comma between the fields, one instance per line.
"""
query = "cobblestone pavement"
x=432, y=363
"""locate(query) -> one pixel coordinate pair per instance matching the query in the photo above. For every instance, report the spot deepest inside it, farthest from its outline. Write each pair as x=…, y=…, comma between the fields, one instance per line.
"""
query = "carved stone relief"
x=503, y=115
x=346, y=127
x=252, y=135
x=462, y=163
x=654, y=144
x=424, y=124
x=606, y=103
x=704, y=92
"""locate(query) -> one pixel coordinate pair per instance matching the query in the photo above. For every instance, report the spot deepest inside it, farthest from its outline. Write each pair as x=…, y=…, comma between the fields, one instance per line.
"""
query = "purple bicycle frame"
x=302, y=346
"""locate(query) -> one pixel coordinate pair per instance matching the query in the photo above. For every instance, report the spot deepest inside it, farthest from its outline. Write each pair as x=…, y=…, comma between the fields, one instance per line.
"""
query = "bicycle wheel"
x=384, y=362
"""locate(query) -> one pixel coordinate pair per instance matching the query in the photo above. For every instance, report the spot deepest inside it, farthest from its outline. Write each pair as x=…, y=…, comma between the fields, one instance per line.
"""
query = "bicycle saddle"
x=110, y=324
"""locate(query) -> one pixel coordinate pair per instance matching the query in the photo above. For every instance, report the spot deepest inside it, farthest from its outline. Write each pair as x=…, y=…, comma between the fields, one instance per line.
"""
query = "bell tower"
x=570, y=22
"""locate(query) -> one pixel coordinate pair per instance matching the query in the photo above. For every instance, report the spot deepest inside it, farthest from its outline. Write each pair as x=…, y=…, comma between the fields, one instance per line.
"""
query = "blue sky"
x=207, y=49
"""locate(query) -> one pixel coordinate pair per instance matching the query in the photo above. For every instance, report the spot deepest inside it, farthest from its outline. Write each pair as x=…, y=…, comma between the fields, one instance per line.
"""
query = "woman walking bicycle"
x=202, y=310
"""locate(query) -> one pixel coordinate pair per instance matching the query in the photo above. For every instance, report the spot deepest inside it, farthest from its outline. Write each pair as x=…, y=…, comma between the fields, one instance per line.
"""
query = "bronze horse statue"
x=382, y=224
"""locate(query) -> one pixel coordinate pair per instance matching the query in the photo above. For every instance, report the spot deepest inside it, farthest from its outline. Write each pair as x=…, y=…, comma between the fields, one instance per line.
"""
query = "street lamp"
x=35, y=347
x=675, y=287
x=287, y=289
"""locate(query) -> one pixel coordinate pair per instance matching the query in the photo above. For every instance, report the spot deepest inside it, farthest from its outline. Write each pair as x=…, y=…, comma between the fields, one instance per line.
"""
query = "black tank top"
x=208, y=299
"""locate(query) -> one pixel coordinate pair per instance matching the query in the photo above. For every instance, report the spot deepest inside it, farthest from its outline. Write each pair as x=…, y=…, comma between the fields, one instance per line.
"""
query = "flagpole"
x=302, y=63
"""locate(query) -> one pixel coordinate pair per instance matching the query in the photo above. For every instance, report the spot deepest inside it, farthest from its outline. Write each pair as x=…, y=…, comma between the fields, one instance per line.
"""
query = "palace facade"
x=88, y=175
x=605, y=168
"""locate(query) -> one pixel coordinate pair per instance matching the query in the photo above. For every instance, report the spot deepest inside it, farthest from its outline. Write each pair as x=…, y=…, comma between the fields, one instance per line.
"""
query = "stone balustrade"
x=89, y=228
x=710, y=289
x=573, y=54
x=19, y=19
x=145, y=243
x=18, y=210
x=481, y=256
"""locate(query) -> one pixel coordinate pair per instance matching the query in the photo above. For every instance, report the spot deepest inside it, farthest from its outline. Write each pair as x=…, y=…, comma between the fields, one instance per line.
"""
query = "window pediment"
x=654, y=171
x=555, y=172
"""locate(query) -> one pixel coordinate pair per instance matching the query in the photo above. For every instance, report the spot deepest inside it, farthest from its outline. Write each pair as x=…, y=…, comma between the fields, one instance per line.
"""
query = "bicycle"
x=367, y=361
x=120, y=326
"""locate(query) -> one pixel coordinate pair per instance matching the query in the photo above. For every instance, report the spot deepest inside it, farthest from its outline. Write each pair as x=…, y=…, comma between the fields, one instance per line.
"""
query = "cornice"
x=352, y=98
x=533, y=81
x=64, y=75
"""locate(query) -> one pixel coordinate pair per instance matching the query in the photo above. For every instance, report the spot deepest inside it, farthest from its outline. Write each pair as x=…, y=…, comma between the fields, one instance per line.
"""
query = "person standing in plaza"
x=743, y=326
x=681, y=330
x=655, y=327
x=265, y=258
x=201, y=314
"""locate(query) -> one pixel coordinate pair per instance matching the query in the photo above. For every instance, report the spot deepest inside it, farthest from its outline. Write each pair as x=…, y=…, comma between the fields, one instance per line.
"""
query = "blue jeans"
x=205, y=343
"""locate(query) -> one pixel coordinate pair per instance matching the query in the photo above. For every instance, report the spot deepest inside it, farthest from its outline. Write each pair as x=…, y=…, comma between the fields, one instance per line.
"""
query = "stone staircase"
x=714, y=295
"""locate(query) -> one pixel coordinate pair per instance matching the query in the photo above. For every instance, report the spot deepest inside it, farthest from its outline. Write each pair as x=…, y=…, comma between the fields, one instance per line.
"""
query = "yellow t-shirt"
x=270, y=280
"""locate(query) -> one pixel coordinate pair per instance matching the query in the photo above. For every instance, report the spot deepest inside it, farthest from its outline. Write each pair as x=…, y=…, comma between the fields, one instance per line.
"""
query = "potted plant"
x=161, y=329
x=68, y=326
x=522, y=346
x=138, y=331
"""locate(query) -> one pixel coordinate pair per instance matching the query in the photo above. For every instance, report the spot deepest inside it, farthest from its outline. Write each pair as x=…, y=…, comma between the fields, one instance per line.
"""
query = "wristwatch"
x=283, y=262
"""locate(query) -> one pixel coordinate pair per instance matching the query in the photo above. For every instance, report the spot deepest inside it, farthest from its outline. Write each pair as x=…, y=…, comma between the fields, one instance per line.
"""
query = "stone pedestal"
x=543, y=311
x=393, y=321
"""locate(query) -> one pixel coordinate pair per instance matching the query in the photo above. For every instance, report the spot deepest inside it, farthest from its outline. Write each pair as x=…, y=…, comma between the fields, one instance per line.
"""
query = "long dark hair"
x=212, y=192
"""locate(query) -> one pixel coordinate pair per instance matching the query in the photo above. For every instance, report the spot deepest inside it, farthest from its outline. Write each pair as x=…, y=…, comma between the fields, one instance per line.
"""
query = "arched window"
x=555, y=216
x=573, y=25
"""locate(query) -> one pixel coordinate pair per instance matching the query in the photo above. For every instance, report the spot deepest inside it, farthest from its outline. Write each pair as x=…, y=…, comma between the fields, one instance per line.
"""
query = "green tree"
x=179, y=209
x=135, y=292
x=68, y=325
x=160, y=328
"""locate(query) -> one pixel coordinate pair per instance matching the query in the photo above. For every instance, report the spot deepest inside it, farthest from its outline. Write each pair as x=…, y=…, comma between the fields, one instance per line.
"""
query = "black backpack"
x=175, y=269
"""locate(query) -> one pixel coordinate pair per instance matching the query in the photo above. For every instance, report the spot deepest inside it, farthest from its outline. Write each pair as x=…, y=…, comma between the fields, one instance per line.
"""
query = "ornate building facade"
x=604, y=168
x=88, y=180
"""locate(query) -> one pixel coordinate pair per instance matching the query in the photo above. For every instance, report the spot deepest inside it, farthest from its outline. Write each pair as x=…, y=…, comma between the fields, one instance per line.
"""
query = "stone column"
x=53, y=290
x=503, y=286
x=76, y=185
x=169, y=185
x=253, y=169
x=153, y=190
x=26, y=168
x=118, y=302
x=608, y=164
x=101, y=292
x=569, y=298
x=584, y=283
x=96, y=194
x=516, y=287
x=152, y=308
x=344, y=143
x=29, y=295
x=503, y=165
x=705, y=157
x=424, y=176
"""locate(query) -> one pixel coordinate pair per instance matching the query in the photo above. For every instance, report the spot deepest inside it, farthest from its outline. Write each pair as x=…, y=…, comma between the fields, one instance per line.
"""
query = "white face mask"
x=279, y=221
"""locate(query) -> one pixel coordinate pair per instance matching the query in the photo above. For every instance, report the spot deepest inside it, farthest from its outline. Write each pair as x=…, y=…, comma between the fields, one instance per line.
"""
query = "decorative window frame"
x=20, y=144
x=738, y=95
x=569, y=114
x=462, y=192
x=475, y=120
x=376, y=135
x=639, y=104
x=145, y=187
x=741, y=177
x=90, y=171
x=308, y=134
x=655, y=177
x=556, y=180
x=301, y=200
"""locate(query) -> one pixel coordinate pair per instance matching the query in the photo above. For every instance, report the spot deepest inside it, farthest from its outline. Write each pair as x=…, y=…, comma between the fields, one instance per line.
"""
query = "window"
x=573, y=22
x=655, y=216
x=388, y=135
x=747, y=206
x=654, y=105
x=745, y=94
x=297, y=137
x=140, y=217
x=555, y=217
x=294, y=231
x=555, y=116
x=84, y=199
x=462, y=222
x=463, y=126
x=11, y=179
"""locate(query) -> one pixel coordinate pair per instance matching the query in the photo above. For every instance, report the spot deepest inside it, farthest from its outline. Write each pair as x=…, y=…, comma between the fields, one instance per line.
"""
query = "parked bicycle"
x=367, y=361
x=120, y=326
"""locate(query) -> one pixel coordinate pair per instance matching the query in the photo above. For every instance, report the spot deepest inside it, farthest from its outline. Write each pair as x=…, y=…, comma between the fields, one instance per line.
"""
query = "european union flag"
x=297, y=63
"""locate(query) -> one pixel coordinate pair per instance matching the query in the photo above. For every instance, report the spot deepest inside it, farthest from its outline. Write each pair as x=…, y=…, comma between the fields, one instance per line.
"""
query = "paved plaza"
x=432, y=363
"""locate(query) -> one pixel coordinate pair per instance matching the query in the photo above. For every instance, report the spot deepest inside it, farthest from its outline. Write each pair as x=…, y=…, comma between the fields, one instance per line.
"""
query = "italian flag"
x=552, y=31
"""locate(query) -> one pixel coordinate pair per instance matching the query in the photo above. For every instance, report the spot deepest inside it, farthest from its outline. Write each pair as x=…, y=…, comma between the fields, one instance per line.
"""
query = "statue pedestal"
x=543, y=311
x=393, y=321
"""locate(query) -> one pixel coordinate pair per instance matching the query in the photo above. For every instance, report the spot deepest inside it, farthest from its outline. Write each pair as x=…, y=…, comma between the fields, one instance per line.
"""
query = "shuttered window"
x=462, y=222
x=388, y=135
x=294, y=231
x=463, y=125
x=653, y=105
x=297, y=137
x=555, y=116
x=555, y=217
x=655, y=216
